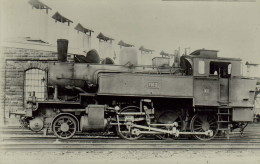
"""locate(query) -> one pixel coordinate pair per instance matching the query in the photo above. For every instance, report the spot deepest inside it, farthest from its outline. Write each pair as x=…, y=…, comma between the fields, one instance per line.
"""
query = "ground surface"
x=133, y=156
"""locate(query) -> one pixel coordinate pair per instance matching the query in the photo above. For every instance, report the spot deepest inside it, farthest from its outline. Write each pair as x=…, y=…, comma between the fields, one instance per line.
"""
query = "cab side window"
x=201, y=67
x=221, y=69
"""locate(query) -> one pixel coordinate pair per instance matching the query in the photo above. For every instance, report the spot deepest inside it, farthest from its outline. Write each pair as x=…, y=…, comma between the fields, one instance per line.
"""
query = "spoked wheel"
x=123, y=131
x=169, y=117
x=202, y=122
x=64, y=127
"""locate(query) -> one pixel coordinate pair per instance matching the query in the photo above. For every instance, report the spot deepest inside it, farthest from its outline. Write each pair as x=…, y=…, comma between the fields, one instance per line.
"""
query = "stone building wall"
x=15, y=61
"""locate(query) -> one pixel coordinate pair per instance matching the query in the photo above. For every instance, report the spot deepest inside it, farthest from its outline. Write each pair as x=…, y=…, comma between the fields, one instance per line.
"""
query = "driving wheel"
x=126, y=132
x=169, y=117
x=202, y=122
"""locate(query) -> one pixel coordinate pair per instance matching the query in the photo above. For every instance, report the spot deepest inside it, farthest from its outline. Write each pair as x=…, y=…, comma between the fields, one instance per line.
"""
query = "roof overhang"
x=39, y=5
x=80, y=28
x=122, y=43
x=101, y=36
x=58, y=17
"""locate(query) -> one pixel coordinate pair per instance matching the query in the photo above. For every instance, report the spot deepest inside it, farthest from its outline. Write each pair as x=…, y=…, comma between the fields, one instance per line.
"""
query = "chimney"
x=84, y=37
x=105, y=46
x=62, y=45
x=42, y=18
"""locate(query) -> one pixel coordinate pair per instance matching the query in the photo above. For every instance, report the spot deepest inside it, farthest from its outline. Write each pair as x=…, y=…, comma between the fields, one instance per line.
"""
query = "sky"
x=233, y=28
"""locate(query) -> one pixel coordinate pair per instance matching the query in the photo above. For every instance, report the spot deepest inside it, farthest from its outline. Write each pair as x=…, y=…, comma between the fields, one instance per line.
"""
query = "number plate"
x=153, y=85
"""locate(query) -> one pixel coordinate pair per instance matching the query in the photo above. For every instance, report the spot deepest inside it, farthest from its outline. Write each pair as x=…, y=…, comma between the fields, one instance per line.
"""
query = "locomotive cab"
x=219, y=84
x=208, y=64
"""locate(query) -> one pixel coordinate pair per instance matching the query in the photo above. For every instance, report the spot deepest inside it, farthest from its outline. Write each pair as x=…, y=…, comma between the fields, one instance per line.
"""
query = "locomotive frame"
x=204, y=95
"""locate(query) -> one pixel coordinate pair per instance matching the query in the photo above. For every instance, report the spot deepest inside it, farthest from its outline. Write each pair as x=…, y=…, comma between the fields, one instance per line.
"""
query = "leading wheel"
x=125, y=132
x=202, y=122
x=64, y=127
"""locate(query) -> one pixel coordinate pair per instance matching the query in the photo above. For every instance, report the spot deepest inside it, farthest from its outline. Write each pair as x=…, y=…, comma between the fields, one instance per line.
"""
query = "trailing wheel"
x=64, y=127
x=202, y=122
x=124, y=131
x=169, y=117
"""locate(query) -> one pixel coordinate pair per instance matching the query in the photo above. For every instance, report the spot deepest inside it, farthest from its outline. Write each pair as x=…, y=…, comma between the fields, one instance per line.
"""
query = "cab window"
x=201, y=67
x=221, y=69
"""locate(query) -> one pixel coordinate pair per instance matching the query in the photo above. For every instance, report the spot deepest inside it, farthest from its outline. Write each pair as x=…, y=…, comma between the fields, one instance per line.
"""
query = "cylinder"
x=62, y=45
x=86, y=125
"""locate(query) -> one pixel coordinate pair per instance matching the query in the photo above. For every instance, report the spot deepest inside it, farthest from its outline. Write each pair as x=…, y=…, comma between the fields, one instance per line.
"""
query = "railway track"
x=22, y=139
x=131, y=145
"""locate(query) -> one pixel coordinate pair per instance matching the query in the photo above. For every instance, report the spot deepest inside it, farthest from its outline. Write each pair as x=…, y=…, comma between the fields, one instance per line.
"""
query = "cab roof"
x=209, y=54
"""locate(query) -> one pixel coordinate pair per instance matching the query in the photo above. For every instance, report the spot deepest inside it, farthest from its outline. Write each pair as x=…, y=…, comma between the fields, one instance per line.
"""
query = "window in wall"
x=222, y=69
x=35, y=80
x=201, y=67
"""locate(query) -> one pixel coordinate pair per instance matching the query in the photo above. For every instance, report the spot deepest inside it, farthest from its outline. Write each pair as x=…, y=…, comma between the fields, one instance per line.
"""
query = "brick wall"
x=17, y=61
x=14, y=84
x=14, y=63
x=2, y=84
x=16, y=58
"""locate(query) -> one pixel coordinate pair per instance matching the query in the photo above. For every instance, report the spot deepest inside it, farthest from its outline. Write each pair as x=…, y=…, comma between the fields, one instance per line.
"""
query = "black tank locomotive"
x=200, y=96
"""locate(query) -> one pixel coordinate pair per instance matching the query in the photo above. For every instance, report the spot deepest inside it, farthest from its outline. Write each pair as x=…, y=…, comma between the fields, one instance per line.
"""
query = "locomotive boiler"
x=200, y=96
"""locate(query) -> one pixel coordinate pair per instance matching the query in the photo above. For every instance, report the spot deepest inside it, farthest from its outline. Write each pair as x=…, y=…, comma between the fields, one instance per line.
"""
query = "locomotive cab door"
x=223, y=71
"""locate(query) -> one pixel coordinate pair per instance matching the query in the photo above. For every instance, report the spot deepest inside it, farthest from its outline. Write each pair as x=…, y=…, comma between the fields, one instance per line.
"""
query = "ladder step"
x=223, y=129
x=223, y=113
x=224, y=107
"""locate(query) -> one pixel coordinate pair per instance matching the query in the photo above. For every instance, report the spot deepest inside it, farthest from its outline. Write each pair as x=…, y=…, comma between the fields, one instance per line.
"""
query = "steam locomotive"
x=199, y=96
